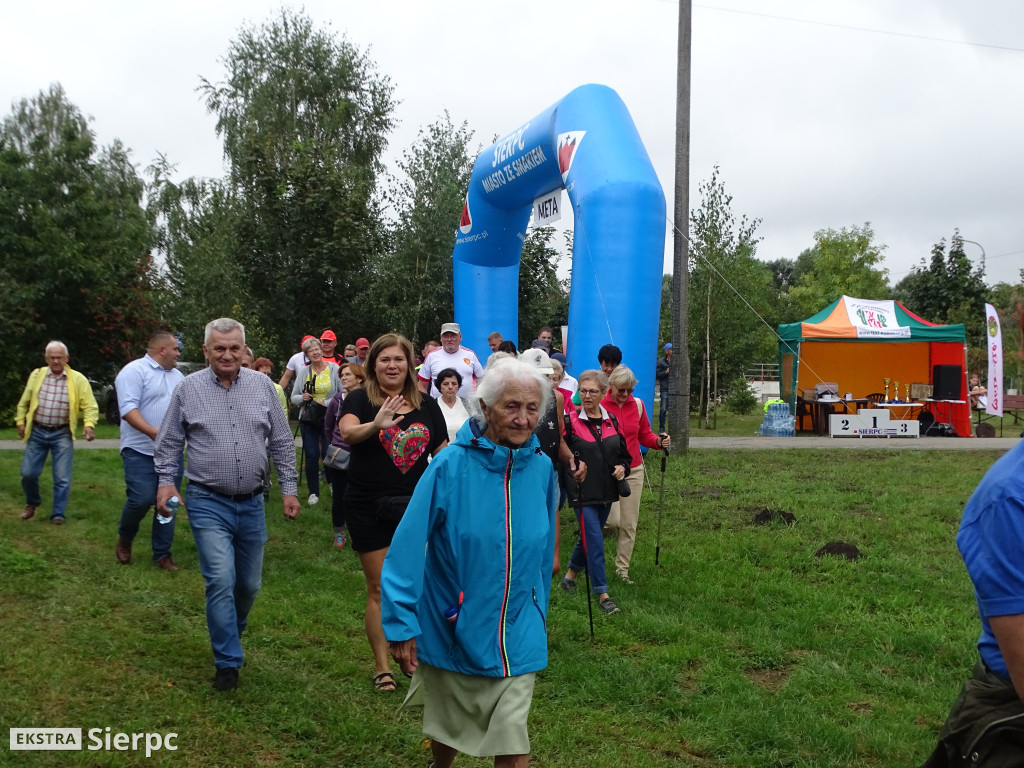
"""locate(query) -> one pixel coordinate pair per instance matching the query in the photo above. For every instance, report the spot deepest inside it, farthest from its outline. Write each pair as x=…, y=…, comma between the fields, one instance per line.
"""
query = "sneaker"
x=608, y=606
x=339, y=539
x=226, y=679
x=624, y=575
x=313, y=499
x=568, y=585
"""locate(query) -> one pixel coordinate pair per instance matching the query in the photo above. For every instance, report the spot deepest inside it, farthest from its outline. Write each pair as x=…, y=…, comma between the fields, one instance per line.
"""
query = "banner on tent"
x=994, y=337
x=875, y=319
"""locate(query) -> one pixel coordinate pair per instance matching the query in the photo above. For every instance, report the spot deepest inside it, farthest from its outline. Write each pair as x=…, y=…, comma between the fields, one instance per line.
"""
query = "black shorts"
x=366, y=531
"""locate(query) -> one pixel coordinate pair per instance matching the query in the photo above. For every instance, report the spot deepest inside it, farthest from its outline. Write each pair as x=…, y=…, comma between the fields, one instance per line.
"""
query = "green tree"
x=1009, y=302
x=949, y=290
x=543, y=298
x=197, y=226
x=726, y=283
x=304, y=117
x=840, y=262
x=410, y=285
x=76, y=245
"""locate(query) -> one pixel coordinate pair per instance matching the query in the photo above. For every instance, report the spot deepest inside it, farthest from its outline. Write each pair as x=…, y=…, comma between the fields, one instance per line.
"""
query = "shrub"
x=741, y=399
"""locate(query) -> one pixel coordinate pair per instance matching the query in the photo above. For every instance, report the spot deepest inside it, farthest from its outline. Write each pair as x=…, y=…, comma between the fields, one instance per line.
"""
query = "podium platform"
x=872, y=422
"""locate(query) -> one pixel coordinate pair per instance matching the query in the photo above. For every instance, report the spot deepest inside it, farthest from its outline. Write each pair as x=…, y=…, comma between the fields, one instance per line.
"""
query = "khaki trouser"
x=624, y=515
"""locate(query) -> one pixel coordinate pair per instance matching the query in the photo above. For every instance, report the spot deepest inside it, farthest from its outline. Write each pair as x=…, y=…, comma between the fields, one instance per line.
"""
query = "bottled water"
x=778, y=422
x=172, y=504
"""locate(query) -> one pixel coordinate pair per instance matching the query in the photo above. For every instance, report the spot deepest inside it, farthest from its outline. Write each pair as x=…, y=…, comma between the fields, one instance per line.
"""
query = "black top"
x=600, y=444
x=548, y=432
x=391, y=462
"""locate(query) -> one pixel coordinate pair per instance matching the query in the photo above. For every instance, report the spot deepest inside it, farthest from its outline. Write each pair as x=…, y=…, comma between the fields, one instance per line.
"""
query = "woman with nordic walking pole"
x=595, y=435
x=636, y=429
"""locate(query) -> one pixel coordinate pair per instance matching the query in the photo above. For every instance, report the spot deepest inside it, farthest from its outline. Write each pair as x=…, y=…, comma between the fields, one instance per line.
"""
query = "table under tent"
x=857, y=343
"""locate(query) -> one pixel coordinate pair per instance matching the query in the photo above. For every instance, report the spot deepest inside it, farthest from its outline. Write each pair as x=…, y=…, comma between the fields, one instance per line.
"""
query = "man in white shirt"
x=568, y=382
x=451, y=355
x=295, y=364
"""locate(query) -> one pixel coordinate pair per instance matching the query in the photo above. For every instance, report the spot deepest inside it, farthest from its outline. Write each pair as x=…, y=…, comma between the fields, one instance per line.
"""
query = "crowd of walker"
x=440, y=469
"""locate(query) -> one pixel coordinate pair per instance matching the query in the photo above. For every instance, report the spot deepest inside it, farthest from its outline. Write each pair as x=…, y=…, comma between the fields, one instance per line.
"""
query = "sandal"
x=385, y=681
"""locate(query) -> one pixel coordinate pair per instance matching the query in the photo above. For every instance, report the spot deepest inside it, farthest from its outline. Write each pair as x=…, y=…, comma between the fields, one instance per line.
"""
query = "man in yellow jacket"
x=47, y=419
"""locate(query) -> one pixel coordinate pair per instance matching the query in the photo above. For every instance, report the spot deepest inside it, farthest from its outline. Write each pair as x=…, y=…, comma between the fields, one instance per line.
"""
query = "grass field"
x=742, y=648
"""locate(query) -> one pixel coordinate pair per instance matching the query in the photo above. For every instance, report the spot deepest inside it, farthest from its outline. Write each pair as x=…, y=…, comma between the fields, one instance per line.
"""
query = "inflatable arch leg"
x=588, y=145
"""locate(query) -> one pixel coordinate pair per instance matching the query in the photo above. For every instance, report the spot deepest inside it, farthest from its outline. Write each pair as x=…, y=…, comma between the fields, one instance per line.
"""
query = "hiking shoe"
x=624, y=575
x=339, y=539
x=568, y=585
x=313, y=499
x=608, y=606
x=226, y=679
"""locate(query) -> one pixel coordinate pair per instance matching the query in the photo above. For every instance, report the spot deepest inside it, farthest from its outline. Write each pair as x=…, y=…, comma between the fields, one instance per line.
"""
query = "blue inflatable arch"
x=588, y=144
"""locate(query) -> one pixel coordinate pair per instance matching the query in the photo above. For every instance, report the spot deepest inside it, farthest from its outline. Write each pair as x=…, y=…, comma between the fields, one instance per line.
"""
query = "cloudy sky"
x=909, y=115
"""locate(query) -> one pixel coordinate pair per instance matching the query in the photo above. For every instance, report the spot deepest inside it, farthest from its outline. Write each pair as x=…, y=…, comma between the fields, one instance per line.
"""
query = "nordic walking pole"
x=661, y=505
x=583, y=538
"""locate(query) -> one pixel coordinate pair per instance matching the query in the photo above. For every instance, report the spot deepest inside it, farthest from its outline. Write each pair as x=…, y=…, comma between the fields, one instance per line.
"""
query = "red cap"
x=329, y=335
x=362, y=343
x=306, y=338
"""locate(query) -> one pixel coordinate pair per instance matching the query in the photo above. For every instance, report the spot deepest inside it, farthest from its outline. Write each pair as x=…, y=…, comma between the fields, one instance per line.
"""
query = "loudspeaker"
x=946, y=381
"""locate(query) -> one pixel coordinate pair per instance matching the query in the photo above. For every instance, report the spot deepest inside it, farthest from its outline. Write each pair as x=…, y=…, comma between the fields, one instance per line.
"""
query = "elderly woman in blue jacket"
x=486, y=505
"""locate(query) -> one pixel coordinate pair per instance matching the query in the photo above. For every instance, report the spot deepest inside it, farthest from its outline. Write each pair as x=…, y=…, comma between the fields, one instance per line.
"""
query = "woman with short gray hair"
x=486, y=505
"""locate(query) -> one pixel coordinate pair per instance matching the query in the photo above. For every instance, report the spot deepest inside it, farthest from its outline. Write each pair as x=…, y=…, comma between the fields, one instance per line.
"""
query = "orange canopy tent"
x=858, y=342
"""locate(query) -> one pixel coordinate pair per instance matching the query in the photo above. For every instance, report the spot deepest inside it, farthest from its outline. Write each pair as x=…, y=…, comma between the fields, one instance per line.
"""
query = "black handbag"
x=312, y=412
x=390, y=509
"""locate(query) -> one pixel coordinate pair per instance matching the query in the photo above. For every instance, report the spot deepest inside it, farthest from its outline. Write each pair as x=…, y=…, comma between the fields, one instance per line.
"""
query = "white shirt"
x=297, y=362
x=464, y=360
x=570, y=383
x=454, y=417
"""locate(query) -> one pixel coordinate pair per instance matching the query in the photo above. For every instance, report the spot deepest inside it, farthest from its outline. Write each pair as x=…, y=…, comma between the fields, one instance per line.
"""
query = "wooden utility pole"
x=679, y=381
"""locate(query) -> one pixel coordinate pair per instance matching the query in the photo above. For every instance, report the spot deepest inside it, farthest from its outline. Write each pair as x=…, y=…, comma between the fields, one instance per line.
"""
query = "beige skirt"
x=480, y=716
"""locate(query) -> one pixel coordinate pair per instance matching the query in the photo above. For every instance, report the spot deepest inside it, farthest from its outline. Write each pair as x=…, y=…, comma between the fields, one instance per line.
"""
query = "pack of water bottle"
x=778, y=421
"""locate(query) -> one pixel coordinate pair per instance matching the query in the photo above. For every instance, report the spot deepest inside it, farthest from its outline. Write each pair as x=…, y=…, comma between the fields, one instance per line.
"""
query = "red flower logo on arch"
x=568, y=143
x=466, y=222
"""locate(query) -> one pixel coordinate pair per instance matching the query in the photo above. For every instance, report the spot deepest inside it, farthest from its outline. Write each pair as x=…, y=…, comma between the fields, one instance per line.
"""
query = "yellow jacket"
x=80, y=397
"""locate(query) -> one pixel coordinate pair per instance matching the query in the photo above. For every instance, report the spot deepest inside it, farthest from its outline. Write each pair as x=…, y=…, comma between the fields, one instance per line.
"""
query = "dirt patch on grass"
x=860, y=707
x=769, y=515
x=840, y=549
x=714, y=471
x=688, y=676
x=771, y=680
x=683, y=752
x=710, y=491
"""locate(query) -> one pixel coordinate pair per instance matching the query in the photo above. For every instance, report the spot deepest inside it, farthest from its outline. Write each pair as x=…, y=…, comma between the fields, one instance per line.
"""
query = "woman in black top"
x=594, y=436
x=392, y=429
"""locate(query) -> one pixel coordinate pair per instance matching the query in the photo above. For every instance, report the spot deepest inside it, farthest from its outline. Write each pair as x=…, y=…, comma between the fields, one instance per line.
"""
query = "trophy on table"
x=908, y=393
x=886, y=381
x=897, y=390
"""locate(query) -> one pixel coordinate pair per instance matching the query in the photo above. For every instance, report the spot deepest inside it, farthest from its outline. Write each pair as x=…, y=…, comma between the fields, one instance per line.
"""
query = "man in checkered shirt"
x=230, y=416
x=47, y=417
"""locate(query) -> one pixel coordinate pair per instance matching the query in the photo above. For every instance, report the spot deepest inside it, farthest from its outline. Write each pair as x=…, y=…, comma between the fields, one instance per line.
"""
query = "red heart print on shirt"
x=405, y=446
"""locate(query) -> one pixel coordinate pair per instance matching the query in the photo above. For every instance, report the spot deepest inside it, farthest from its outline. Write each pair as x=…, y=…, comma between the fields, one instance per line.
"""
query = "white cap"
x=538, y=359
x=450, y=328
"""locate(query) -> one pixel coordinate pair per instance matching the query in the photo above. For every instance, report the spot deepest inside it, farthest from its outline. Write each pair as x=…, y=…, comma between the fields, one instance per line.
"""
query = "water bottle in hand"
x=172, y=505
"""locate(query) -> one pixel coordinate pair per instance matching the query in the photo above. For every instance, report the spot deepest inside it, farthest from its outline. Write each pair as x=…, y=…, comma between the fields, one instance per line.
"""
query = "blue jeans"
x=40, y=442
x=313, y=445
x=229, y=538
x=594, y=517
x=140, y=484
